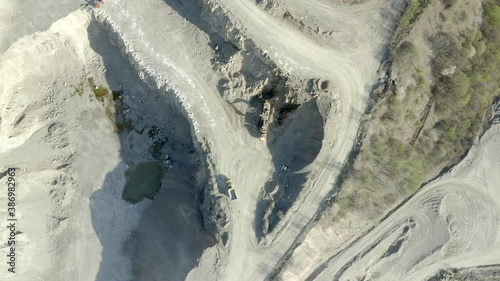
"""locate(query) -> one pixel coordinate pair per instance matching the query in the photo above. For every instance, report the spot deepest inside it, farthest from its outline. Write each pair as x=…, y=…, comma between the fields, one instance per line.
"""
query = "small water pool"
x=143, y=182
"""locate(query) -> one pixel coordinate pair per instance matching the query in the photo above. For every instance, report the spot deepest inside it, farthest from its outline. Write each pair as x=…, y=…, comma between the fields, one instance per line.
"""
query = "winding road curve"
x=456, y=223
x=298, y=55
x=164, y=59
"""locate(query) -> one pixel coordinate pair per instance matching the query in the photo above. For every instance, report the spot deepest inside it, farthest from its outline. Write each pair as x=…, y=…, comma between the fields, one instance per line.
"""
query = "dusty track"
x=299, y=56
x=451, y=223
x=166, y=59
x=172, y=55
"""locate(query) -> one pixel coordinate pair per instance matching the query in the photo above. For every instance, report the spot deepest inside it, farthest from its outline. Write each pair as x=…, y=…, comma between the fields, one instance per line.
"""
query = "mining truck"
x=230, y=190
x=264, y=119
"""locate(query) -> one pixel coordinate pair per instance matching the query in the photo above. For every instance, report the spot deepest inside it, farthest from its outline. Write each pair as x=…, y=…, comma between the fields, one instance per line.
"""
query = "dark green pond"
x=143, y=182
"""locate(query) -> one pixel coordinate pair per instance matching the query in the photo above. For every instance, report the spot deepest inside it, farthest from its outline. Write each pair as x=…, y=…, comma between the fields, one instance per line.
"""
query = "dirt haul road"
x=170, y=53
x=351, y=72
x=163, y=56
x=453, y=222
x=173, y=55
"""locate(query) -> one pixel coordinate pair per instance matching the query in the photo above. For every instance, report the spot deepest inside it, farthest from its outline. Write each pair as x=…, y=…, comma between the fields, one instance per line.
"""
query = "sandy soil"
x=63, y=147
x=23, y=17
x=193, y=70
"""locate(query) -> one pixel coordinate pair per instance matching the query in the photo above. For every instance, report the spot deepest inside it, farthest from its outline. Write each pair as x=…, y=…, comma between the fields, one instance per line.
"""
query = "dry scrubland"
x=435, y=102
x=485, y=273
x=442, y=81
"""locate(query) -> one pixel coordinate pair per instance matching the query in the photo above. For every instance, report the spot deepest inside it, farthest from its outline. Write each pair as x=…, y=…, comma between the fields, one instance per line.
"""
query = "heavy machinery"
x=230, y=190
x=264, y=119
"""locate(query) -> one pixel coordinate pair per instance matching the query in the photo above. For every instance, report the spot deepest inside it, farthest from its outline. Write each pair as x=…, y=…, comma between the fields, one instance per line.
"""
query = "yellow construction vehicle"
x=230, y=190
x=264, y=119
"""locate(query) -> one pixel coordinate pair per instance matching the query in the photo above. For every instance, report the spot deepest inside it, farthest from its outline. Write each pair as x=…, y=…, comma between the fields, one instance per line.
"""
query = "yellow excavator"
x=230, y=190
x=264, y=119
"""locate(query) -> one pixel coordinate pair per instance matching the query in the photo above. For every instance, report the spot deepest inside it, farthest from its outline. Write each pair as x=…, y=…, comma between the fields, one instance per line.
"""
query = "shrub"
x=100, y=92
x=410, y=15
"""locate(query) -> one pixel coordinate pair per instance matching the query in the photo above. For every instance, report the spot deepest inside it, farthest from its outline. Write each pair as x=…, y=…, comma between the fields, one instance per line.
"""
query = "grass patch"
x=100, y=93
x=112, y=106
x=410, y=15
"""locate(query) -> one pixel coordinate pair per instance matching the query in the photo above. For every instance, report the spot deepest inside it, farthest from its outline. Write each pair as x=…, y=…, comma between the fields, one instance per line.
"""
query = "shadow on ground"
x=298, y=145
x=162, y=240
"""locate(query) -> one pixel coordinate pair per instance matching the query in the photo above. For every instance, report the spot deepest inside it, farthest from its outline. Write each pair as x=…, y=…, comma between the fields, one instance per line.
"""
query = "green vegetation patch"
x=111, y=100
x=462, y=99
x=100, y=93
x=430, y=126
x=413, y=10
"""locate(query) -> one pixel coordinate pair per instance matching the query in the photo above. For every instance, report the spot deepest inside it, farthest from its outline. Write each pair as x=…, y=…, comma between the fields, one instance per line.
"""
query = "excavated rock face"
x=296, y=144
x=178, y=86
x=159, y=131
x=296, y=129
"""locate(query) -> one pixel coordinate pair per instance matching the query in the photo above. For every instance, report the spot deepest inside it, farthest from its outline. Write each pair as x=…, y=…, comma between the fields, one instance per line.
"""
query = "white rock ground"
x=71, y=164
x=64, y=147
